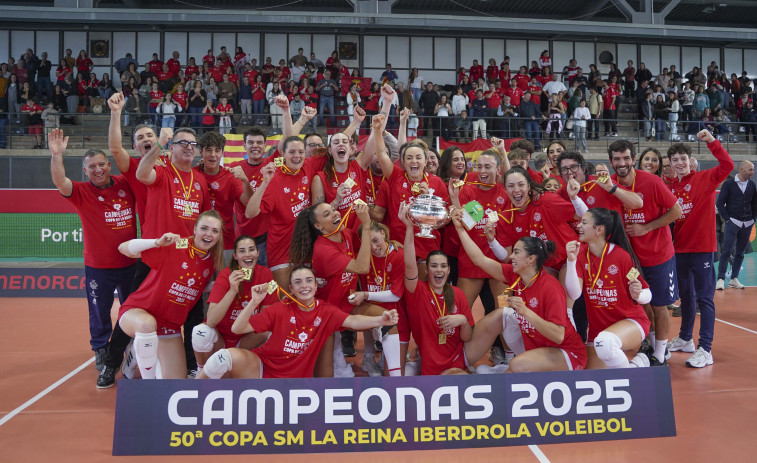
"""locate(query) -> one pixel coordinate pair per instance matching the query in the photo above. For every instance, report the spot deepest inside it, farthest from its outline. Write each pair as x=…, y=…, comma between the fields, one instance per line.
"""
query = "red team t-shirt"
x=224, y=190
x=492, y=200
x=387, y=274
x=356, y=173
x=330, y=260
x=422, y=312
x=260, y=275
x=255, y=226
x=655, y=247
x=173, y=286
x=547, y=219
x=296, y=337
x=398, y=189
x=694, y=231
x=610, y=300
x=107, y=216
x=546, y=297
x=372, y=185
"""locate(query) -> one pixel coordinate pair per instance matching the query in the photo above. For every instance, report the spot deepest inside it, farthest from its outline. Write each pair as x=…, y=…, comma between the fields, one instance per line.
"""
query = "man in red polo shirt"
x=106, y=207
x=476, y=71
x=695, y=242
x=174, y=66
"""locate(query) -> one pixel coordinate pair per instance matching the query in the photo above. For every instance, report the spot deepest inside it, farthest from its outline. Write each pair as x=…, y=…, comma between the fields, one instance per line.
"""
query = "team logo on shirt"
x=532, y=233
x=287, y=190
x=533, y=303
x=641, y=195
x=687, y=188
x=600, y=283
x=191, y=282
x=93, y=284
x=404, y=184
x=184, y=265
x=117, y=207
x=334, y=184
x=317, y=321
x=537, y=217
x=303, y=337
x=292, y=320
x=453, y=309
x=500, y=200
x=590, y=200
x=215, y=185
x=100, y=198
x=305, y=180
x=518, y=229
x=612, y=270
x=176, y=180
x=254, y=184
x=301, y=196
x=121, y=193
x=205, y=273
x=389, y=268
x=197, y=186
x=244, y=304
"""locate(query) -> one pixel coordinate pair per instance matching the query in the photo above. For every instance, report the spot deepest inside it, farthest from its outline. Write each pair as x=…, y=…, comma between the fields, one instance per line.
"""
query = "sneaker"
x=640, y=361
x=734, y=283
x=667, y=353
x=100, y=358
x=497, y=356
x=653, y=362
x=371, y=367
x=720, y=285
x=129, y=365
x=615, y=134
x=485, y=369
x=676, y=310
x=192, y=374
x=700, y=359
x=344, y=371
x=348, y=343
x=646, y=348
x=107, y=377
x=678, y=344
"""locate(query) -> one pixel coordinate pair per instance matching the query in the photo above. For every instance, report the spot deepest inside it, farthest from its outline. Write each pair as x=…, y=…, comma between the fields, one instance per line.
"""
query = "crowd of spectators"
x=221, y=91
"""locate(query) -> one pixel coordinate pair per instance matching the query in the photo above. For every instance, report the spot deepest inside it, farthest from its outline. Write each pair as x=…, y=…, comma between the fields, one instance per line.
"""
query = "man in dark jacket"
x=532, y=116
x=427, y=104
x=737, y=205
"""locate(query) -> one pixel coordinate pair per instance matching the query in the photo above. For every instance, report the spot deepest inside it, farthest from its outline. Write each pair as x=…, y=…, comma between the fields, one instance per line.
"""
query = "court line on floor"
x=735, y=325
x=49, y=389
x=538, y=453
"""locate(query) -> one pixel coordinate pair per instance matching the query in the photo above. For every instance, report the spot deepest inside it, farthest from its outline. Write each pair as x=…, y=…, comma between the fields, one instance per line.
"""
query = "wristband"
x=613, y=189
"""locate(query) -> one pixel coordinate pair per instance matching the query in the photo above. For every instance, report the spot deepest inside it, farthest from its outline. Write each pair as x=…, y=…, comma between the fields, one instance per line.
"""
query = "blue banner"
x=42, y=282
x=187, y=417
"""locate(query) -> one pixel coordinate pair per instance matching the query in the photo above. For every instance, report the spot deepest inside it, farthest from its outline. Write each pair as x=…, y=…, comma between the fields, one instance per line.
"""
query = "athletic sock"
x=391, y=344
x=659, y=349
x=146, y=351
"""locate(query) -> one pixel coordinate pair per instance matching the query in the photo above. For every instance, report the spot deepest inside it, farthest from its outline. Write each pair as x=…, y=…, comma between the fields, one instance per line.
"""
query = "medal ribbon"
x=187, y=192
x=599, y=270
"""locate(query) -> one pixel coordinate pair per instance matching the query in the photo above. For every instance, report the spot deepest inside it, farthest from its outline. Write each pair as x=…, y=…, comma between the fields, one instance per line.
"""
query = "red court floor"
x=43, y=340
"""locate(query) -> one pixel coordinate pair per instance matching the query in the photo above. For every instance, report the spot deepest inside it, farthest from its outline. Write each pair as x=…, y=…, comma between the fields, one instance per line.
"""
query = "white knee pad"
x=204, y=338
x=218, y=364
x=609, y=349
x=511, y=331
x=146, y=352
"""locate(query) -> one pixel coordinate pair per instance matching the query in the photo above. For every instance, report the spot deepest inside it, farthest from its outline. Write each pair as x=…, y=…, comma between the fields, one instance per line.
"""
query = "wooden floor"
x=44, y=340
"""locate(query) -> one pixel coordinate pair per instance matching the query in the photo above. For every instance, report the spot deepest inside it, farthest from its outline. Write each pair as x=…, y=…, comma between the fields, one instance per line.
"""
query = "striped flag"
x=473, y=149
x=234, y=150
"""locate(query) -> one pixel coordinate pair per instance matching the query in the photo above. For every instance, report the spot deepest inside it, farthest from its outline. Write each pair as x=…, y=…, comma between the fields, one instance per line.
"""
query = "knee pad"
x=606, y=345
x=218, y=364
x=146, y=352
x=203, y=338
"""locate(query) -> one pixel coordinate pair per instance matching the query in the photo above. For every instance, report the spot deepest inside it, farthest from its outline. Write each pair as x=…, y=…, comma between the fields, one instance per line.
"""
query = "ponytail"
x=536, y=247
x=303, y=237
x=615, y=231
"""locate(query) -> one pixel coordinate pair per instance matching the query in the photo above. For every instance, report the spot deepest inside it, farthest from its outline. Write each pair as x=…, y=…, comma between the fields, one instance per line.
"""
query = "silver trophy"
x=428, y=212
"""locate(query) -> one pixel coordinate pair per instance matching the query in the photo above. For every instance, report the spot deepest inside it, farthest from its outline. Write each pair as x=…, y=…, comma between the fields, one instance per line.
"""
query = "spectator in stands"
x=22, y=75
x=70, y=59
x=84, y=65
x=227, y=89
x=3, y=120
x=276, y=111
x=389, y=75
x=124, y=64
x=427, y=103
x=533, y=116
x=62, y=70
x=715, y=95
x=44, y=84
x=701, y=102
x=211, y=90
x=105, y=87
x=443, y=110
x=135, y=107
x=415, y=84
x=673, y=107
x=595, y=104
x=12, y=91
x=737, y=205
x=146, y=73
x=748, y=118
x=131, y=73
x=50, y=118
x=326, y=88
x=610, y=112
x=661, y=115
x=209, y=119
x=580, y=117
x=34, y=112
x=629, y=75
x=167, y=111
x=156, y=98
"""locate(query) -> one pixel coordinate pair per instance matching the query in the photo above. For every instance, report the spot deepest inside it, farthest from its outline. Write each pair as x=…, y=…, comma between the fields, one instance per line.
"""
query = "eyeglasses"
x=185, y=143
x=315, y=145
x=568, y=169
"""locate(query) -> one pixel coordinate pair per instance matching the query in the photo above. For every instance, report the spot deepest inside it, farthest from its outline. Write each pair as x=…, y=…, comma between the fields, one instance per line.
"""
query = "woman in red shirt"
x=604, y=267
x=282, y=356
x=154, y=313
x=84, y=64
x=62, y=70
x=532, y=320
x=258, y=96
x=231, y=292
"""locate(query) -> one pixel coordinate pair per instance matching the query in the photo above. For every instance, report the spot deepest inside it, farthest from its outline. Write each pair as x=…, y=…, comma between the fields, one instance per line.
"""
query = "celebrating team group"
x=300, y=248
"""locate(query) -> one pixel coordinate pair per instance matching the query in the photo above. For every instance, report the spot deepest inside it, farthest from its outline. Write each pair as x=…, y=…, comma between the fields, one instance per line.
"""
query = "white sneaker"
x=720, y=285
x=700, y=359
x=678, y=344
x=640, y=361
x=485, y=369
x=735, y=283
x=129, y=365
x=344, y=371
x=371, y=367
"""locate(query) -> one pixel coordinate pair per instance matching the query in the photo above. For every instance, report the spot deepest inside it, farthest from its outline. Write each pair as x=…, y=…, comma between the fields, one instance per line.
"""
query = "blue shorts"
x=663, y=282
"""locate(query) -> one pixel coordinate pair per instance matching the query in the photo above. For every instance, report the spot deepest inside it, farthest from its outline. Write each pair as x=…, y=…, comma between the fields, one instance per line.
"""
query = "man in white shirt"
x=555, y=86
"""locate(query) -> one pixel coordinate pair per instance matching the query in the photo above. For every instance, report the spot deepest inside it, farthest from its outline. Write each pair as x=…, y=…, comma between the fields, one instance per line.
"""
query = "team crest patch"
x=292, y=320
x=244, y=304
x=197, y=186
x=93, y=284
x=590, y=200
x=533, y=303
x=184, y=265
x=176, y=180
x=117, y=207
x=532, y=233
x=121, y=193
x=500, y=200
x=301, y=196
x=215, y=185
x=612, y=270
x=205, y=273
x=304, y=180
x=100, y=198
x=287, y=190
x=317, y=321
x=518, y=229
x=303, y=337
x=389, y=268
x=191, y=282
x=537, y=217
x=600, y=283
x=687, y=188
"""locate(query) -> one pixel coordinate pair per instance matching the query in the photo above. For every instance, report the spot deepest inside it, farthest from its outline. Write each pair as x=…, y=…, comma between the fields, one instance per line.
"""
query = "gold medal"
x=188, y=210
x=182, y=243
x=350, y=182
x=359, y=202
x=272, y=285
x=603, y=178
x=458, y=184
x=247, y=273
x=442, y=338
x=632, y=274
x=278, y=162
x=416, y=188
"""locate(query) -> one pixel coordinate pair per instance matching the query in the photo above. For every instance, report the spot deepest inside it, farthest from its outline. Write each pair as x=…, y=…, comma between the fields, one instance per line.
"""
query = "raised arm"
x=134, y=248
x=58, y=144
x=490, y=266
x=375, y=141
x=242, y=323
x=115, y=139
x=287, y=127
x=253, y=205
x=402, y=134
x=362, y=263
x=387, y=166
x=411, y=267
x=365, y=322
x=146, y=168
